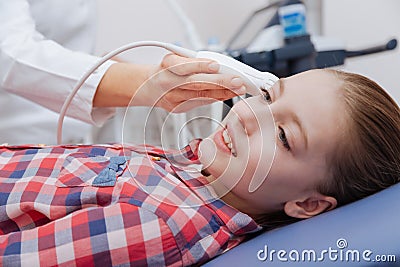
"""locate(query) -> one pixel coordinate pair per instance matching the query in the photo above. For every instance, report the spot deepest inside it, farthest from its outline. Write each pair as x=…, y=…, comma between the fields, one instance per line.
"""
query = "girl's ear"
x=309, y=207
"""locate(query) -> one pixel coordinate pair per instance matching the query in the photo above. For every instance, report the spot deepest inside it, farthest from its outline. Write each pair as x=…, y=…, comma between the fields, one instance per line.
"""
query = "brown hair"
x=367, y=157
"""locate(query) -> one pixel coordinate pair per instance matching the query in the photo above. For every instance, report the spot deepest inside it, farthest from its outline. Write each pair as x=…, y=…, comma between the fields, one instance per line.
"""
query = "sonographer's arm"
x=177, y=84
x=42, y=70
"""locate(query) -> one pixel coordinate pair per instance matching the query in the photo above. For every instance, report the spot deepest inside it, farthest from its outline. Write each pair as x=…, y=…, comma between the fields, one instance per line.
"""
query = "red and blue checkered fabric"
x=110, y=205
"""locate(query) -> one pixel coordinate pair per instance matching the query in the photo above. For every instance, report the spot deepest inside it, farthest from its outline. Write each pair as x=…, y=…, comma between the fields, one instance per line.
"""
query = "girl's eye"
x=267, y=96
x=283, y=139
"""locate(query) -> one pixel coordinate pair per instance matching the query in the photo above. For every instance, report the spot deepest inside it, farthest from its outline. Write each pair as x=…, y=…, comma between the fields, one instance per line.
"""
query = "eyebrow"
x=294, y=115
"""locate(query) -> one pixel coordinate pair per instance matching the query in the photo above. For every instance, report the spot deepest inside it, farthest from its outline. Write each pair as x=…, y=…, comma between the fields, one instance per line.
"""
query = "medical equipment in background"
x=283, y=45
x=254, y=80
x=275, y=39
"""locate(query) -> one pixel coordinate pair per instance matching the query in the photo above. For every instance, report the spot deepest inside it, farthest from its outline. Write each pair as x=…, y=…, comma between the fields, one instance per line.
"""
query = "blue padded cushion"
x=371, y=224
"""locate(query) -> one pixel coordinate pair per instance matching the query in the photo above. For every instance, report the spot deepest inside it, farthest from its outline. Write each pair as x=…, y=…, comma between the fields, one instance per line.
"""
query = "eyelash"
x=267, y=96
x=282, y=137
x=281, y=134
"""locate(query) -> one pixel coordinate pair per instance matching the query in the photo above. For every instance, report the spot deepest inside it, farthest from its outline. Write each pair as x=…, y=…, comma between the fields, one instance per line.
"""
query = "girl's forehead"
x=317, y=77
x=314, y=97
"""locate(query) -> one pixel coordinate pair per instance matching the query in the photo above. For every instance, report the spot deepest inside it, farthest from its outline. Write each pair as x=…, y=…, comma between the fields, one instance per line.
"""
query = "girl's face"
x=307, y=113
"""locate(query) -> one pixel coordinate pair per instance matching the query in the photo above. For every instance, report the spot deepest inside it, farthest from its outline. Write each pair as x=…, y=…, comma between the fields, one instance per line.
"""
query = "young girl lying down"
x=337, y=140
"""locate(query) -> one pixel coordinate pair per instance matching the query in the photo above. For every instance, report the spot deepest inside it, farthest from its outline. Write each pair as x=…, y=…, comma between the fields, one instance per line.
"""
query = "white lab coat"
x=39, y=61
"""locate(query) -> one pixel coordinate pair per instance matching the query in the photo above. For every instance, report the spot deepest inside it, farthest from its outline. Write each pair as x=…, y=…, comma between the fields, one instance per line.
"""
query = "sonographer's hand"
x=177, y=84
x=181, y=83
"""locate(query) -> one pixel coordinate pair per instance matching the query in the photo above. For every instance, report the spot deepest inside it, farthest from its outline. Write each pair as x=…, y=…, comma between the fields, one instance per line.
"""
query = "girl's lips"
x=220, y=143
x=232, y=138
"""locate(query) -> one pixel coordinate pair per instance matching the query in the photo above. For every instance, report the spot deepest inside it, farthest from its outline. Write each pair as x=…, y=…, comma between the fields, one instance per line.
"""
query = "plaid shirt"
x=110, y=205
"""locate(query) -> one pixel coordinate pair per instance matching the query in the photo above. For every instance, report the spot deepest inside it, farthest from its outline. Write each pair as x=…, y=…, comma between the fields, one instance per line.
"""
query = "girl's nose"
x=255, y=115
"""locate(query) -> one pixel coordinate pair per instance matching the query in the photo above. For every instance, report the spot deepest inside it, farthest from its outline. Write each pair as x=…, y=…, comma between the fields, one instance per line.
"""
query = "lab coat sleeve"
x=43, y=71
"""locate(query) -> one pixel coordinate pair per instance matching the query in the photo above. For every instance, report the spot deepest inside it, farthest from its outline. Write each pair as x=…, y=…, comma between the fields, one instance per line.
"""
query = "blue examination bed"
x=369, y=228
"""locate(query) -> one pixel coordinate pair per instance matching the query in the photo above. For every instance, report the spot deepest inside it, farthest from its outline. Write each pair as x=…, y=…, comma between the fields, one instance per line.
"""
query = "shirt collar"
x=186, y=165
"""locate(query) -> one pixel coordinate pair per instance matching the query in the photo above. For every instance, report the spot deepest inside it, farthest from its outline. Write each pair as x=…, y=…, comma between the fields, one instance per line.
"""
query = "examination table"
x=370, y=226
